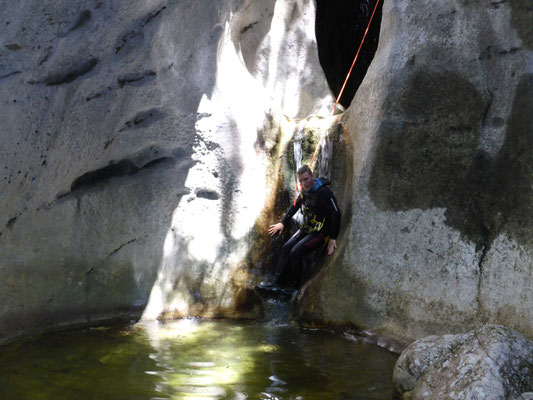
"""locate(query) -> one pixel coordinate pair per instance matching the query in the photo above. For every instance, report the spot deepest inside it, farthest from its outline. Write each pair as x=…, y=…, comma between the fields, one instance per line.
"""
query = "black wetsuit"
x=321, y=222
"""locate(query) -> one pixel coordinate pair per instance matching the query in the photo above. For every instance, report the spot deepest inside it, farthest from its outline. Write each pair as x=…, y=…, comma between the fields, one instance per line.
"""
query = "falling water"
x=297, y=152
x=326, y=153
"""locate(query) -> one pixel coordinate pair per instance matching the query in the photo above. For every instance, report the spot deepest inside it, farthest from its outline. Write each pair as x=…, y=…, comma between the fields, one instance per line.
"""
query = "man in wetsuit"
x=321, y=225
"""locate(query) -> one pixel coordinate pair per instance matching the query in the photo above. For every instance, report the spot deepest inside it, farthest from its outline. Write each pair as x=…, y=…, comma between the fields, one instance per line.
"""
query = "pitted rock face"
x=131, y=164
x=440, y=237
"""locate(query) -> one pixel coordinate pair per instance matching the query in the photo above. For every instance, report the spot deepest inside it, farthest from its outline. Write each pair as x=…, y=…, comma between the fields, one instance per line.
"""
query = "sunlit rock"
x=135, y=149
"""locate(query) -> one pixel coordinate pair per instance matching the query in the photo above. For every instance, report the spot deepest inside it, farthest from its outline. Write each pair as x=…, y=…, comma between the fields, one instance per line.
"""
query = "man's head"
x=305, y=178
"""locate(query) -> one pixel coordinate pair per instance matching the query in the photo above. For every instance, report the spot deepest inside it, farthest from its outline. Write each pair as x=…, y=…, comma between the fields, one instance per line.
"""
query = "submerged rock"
x=492, y=362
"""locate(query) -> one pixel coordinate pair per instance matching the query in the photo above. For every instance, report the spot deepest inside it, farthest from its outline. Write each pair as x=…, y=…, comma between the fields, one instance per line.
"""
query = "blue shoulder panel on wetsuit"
x=317, y=184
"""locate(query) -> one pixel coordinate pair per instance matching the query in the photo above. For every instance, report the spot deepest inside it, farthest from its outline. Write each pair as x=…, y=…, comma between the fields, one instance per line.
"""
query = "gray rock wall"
x=132, y=161
x=440, y=237
x=137, y=144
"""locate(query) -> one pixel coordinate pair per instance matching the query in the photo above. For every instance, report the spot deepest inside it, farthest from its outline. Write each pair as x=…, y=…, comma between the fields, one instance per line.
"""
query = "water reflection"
x=190, y=359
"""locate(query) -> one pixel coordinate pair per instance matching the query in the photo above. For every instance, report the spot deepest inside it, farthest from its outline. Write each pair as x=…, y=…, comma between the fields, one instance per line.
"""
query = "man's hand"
x=276, y=229
x=332, y=245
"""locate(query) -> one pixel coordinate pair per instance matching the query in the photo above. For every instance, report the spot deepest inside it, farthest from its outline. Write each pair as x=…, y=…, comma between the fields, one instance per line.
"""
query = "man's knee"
x=286, y=248
x=297, y=252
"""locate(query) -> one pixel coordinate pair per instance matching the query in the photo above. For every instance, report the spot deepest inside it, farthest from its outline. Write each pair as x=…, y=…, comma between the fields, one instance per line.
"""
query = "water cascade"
x=306, y=136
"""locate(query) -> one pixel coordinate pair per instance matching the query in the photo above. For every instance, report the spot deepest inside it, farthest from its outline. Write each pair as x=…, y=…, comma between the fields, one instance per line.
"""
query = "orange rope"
x=340, y=93
x=355, y=59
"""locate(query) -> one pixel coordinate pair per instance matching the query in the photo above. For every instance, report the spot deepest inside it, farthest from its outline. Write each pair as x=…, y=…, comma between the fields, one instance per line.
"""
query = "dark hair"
x=304, y=169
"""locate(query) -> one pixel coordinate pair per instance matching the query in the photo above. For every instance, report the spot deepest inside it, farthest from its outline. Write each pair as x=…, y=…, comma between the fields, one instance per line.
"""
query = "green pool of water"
x=191, y=359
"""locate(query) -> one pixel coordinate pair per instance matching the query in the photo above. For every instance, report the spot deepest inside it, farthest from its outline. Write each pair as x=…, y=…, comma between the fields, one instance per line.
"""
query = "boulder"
x=492, y=362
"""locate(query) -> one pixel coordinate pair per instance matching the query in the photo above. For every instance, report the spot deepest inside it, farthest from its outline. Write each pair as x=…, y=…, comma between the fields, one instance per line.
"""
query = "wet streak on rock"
x=432, y=159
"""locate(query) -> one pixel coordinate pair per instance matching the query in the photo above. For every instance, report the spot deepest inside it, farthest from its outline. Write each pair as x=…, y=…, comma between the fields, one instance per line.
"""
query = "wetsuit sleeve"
x=290, y=213
x=334, y=214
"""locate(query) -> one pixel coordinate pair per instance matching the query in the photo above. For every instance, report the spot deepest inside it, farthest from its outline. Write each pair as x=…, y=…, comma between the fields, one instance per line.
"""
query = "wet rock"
x=492, y=362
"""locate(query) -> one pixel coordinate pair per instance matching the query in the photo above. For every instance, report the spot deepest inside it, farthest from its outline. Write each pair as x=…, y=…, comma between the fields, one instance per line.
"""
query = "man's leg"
x=305, y=246
x=280, y=275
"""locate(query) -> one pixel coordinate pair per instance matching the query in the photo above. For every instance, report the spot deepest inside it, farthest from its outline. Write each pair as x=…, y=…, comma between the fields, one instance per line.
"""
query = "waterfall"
x=326, y=152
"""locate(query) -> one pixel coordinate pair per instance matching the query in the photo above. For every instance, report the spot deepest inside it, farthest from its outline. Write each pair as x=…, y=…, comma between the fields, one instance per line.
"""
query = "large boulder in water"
x=492, y=362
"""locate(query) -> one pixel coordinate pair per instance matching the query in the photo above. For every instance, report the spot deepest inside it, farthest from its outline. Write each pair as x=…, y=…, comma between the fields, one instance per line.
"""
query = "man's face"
x=306, y=181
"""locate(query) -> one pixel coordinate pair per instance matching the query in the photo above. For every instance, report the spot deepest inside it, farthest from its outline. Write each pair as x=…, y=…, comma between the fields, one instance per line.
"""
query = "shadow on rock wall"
x=428, y=156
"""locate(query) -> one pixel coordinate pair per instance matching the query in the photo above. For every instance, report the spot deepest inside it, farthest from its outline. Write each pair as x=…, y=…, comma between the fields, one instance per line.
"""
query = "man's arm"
x=335, y=218
x=280, y=226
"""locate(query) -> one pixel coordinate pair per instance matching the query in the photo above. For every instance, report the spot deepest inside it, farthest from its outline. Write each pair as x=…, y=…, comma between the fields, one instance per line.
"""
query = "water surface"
x=191, y=359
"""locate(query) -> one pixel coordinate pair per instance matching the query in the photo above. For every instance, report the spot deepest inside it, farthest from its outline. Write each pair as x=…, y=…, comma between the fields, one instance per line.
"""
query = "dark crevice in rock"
x=496, y=4
x=90, y=271
x=144, y=160
x=13, y=47
x=128, y=37
x=82, y=20
x=248, y=27
x=121, y=168
x=480, y=265
x=93, y=96
x=46, y=56
x=135, y=77
x=151, y=16
x=207, y=194
x=121, y=246
x=340, y=26
x=69, y=75
x=144, y=118
x=135, y=36
x=11, y=223
x=487, y=108
x=108, y=143
x=10, y=74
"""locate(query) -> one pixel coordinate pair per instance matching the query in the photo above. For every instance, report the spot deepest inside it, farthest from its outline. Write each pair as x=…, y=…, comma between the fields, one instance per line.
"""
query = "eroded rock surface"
x=492, y=362
x=133, y=152
x=440, y=236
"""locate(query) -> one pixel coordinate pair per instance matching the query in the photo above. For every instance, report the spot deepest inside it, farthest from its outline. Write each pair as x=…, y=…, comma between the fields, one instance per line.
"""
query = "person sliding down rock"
x=320, y=226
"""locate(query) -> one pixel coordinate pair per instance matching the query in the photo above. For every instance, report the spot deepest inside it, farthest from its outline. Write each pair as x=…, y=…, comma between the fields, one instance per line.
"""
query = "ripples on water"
x=190, y=359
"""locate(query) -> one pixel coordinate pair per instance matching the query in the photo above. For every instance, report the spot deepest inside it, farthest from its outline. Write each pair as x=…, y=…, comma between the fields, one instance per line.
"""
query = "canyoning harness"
x=319, y=209
x=312, y=222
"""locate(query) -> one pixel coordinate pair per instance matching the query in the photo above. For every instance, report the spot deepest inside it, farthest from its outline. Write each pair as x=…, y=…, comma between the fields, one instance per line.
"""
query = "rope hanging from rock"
x=340, y=94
